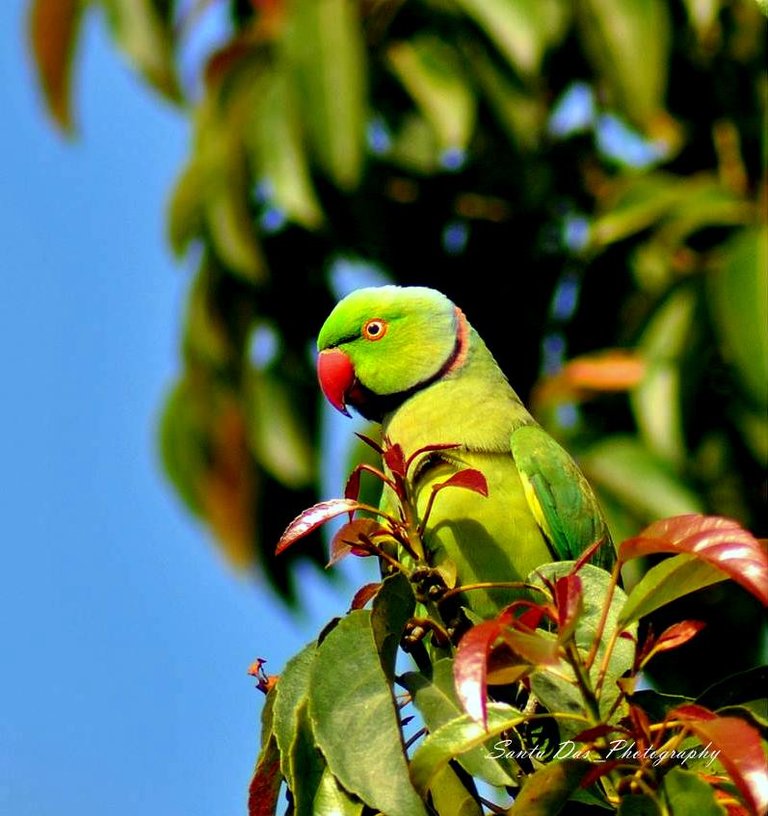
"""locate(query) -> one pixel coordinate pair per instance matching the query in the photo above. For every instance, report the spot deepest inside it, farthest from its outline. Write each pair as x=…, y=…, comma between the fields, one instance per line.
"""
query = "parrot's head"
x=381, y=344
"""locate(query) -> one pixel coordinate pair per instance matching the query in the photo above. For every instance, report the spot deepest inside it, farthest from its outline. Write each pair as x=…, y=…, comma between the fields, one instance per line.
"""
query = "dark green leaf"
x=355, y=720
x=546, y=791
x=392, y=607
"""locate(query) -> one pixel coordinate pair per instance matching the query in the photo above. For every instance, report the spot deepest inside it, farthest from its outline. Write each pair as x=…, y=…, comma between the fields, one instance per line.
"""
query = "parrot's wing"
x=559, y=496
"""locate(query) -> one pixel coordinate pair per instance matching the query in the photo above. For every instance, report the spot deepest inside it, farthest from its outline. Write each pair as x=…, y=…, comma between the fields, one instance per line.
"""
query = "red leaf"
x=597, y=771
x=264, y=789
x=371, y=444
x=469, y=479
x=394, y=459
x=364, y=594
x=430, y=449
x=719, y=541
x=741, y=753
x=568, y=600
x=671, y=638
x=352, y=487
x=471, y=666
x=355, y=538
x=312, y=518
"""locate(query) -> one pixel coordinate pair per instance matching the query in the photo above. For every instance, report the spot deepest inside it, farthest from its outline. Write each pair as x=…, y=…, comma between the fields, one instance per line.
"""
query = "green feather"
x=539, y=506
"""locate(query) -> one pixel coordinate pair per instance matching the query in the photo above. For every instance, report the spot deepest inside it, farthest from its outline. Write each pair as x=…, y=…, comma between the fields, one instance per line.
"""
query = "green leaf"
x=355, y=720
x=521, y=29
x=306, y=763
x=432, y=73
x=721, y=542
x=274, y=135
x=54, y=29
x=450, y=797
x=456, y=737
x=436, y=701
x=656, y=400
x=666, y=582
x=623, y=467
x=687, y=794
x=392, y=608
x=325, y=51
x=737, y=296
x=737, y=689
x=657, y=705
x=276, y=432
x=555, y=688
x=547, y=790
x=186, y=208
x=147, y=39
x=638, y=806
x=290, y=693
x=627, y=42
x=332, y=800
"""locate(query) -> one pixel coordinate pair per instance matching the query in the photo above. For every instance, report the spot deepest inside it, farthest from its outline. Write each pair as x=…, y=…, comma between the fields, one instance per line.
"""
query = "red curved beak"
x=336, y=375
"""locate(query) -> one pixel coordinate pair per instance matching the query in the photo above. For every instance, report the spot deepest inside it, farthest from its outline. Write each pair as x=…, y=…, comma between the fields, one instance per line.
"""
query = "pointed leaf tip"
x=469, y=479
x=312, y=518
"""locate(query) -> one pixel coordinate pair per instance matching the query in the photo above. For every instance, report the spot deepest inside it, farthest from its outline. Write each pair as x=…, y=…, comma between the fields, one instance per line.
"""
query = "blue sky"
x=125, y=637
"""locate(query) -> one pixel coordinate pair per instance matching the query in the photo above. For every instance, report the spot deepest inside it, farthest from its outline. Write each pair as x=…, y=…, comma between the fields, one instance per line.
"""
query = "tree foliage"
x=587, y=180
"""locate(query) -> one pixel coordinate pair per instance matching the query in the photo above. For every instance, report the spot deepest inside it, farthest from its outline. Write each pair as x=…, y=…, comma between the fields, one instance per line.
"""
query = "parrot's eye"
x=375, y=329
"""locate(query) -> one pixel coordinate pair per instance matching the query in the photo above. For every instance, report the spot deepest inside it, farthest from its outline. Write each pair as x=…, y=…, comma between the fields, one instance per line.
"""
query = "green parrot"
x=407, y=357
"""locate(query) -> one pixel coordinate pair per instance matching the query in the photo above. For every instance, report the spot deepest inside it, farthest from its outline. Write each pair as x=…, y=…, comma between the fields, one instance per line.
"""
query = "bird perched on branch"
x=408, y=358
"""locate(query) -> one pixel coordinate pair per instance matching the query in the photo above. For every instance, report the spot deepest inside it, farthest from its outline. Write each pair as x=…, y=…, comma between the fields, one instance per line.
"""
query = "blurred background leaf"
x=579, y=178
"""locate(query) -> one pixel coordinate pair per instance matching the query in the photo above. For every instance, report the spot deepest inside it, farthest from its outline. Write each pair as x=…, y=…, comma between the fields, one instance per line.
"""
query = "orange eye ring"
x=375, y=329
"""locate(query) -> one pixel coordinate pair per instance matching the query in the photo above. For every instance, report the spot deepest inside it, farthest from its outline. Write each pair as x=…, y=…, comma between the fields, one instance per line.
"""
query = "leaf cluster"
x=543, y=703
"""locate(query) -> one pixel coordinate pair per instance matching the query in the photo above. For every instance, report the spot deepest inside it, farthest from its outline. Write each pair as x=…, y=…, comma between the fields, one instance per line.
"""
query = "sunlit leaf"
x=470, y=667
x=54, y=26
x=275, y=135
x=355, y=720
x=432, y=73
x=325, y=51
x=450, y=796
x=549, y=788
x=355, y=538
x=666, y=582
x=741, y=752
x=455, y=738
x=436, y=700
x=313, y=517
x=718, y=541
x=628, y=44
x=148, y=40
x=521, y=29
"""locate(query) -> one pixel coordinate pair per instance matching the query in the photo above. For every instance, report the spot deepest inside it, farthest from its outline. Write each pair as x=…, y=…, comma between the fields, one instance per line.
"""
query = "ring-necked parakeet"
x=408, y=358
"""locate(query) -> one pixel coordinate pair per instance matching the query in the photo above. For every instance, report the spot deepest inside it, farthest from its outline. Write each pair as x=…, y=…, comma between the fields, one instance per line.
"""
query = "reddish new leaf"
x=672, y=637
x=394, y=459
x=371, y=444
x=533, y=647
x=312, y=518
x=355, y=538
x=568, y=600
x=364, y=594
x=54, y=26
x=469, y=479
x=741, y=752
x=719, y=541
x=470, y=667
x=264, y=789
